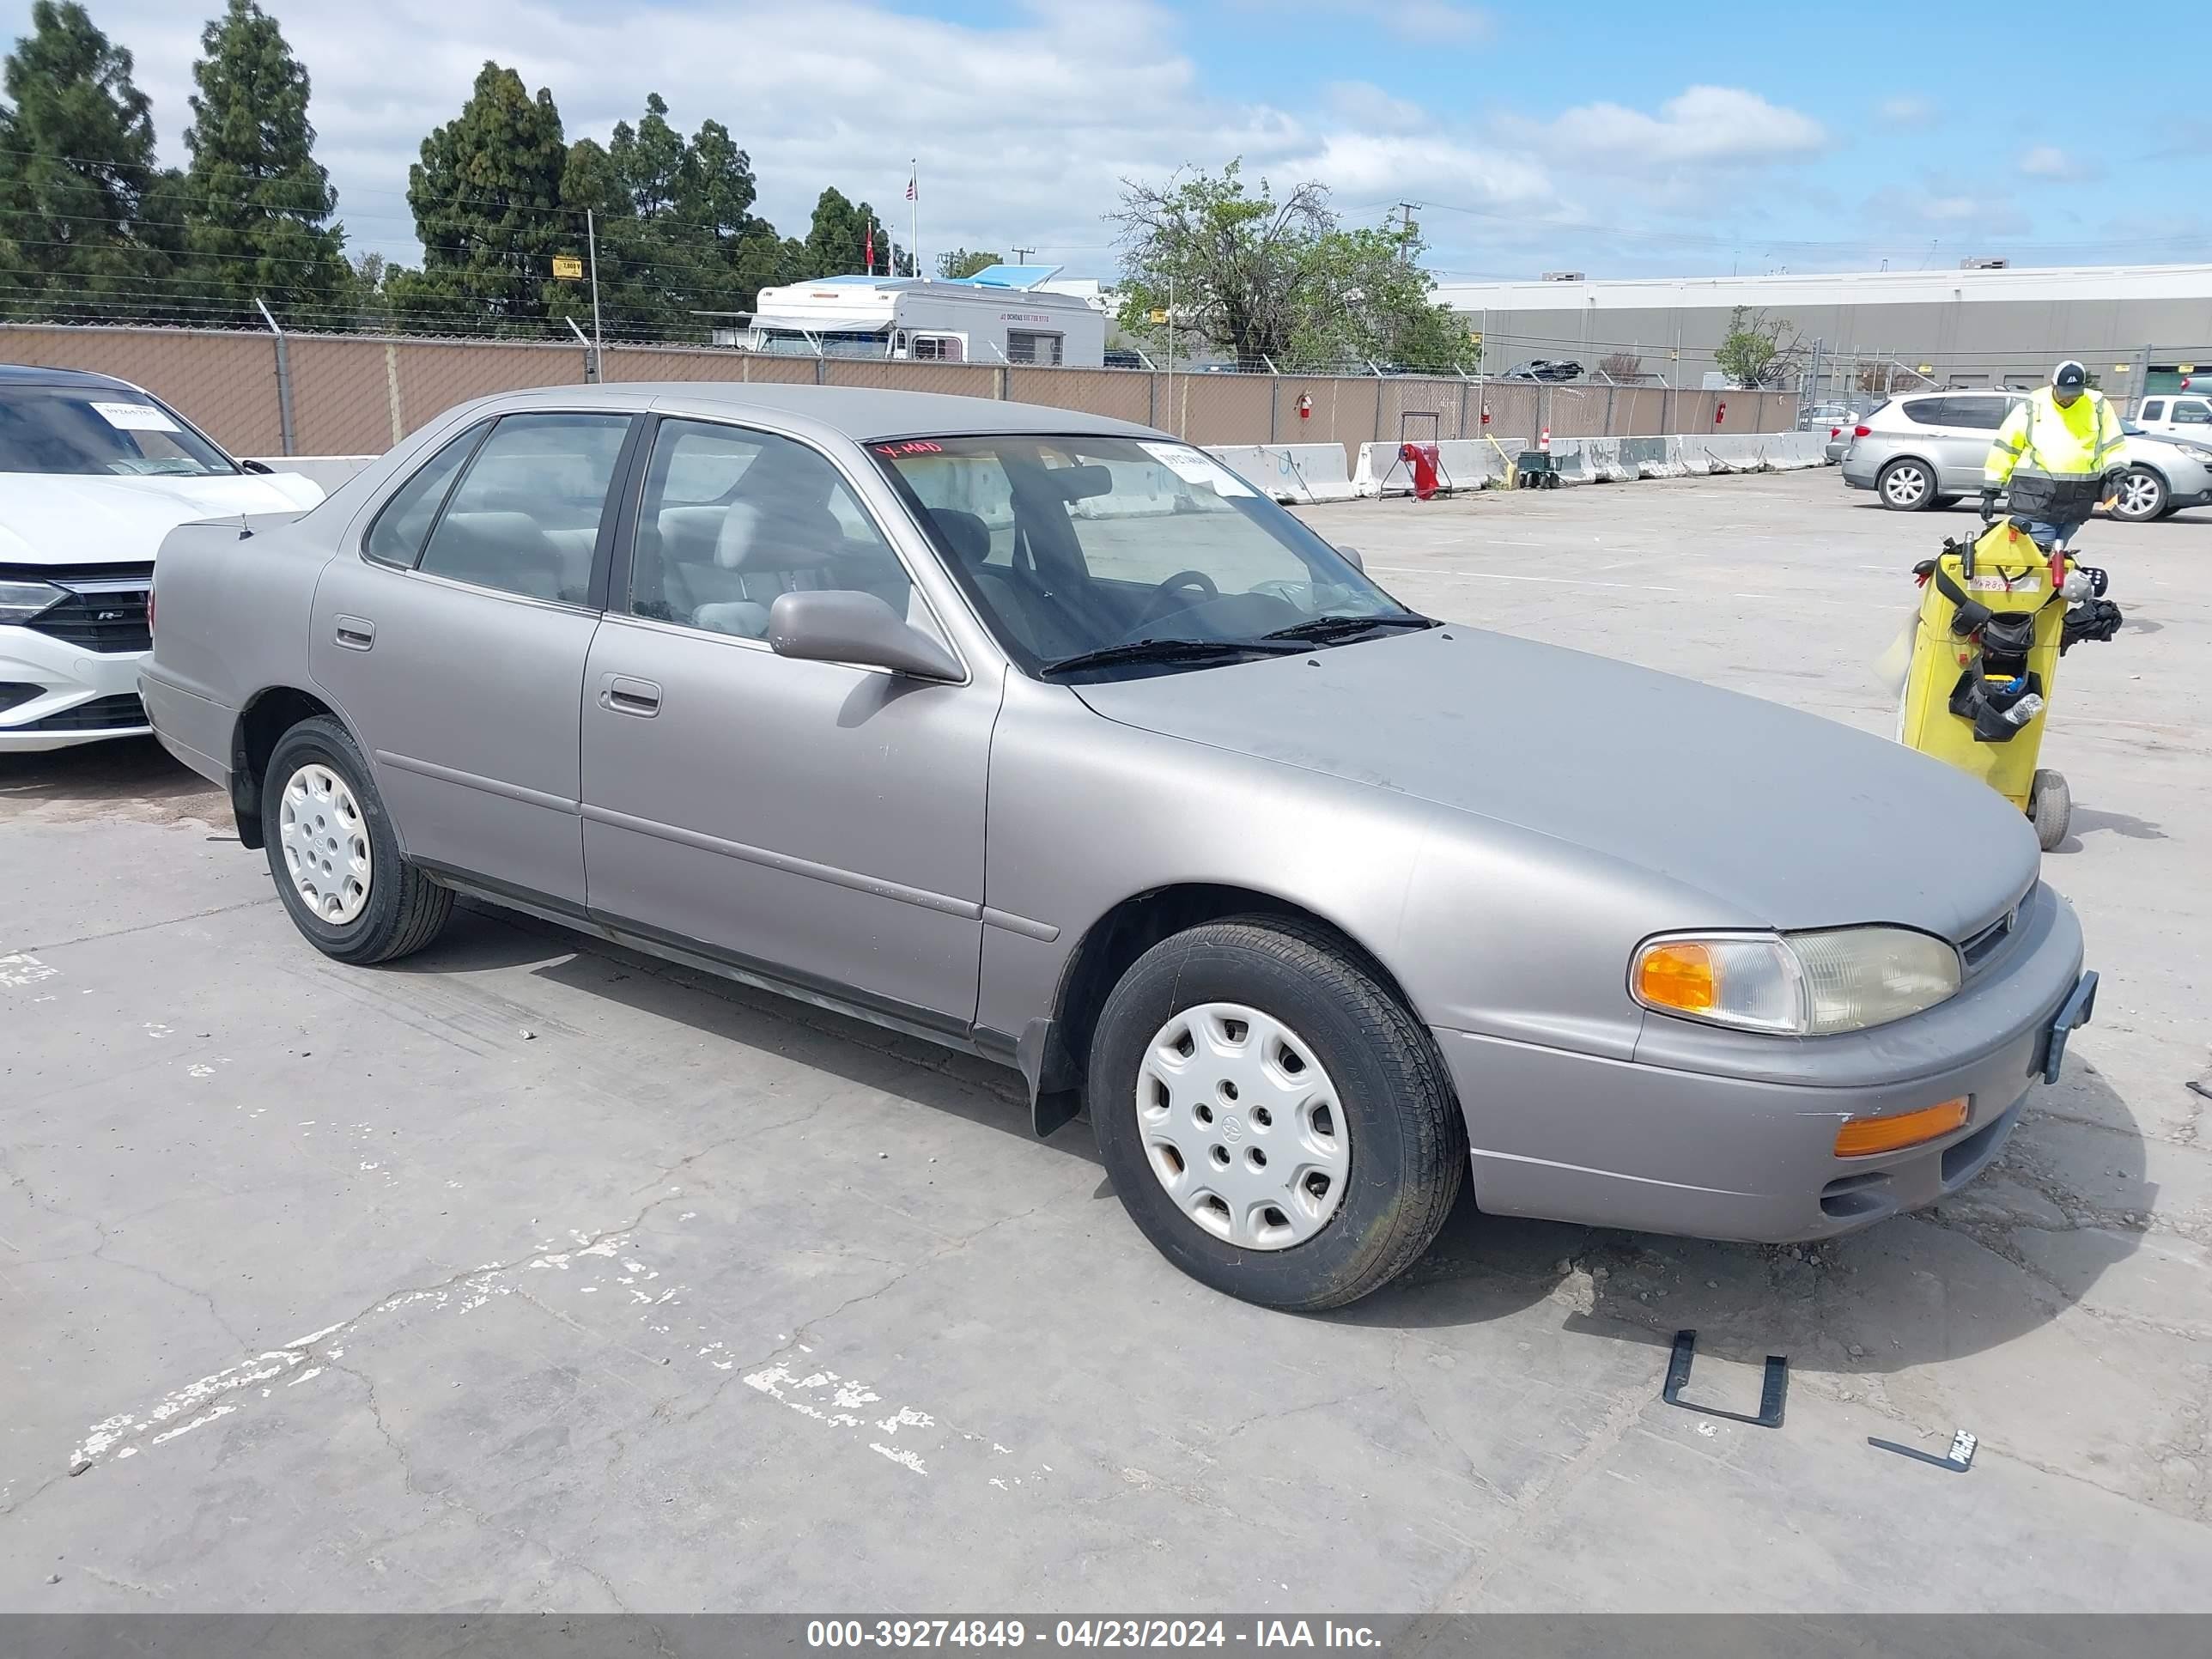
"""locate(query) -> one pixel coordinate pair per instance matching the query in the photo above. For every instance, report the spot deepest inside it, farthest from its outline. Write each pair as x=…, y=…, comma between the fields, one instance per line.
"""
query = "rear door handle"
x=356, y=633
x=625, y=695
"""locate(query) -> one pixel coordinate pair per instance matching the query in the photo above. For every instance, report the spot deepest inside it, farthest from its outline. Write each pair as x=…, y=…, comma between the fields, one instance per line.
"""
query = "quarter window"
x=733, y=518
x=397, y=537
x=1925, y=412
x=525, y=517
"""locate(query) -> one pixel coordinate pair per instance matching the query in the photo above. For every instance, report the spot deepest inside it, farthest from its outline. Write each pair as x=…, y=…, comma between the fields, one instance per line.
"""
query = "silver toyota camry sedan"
x=1047, y=737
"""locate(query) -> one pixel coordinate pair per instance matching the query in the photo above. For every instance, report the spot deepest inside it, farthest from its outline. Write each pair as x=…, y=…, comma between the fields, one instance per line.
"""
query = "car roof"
x=32, y=375
x=859, y=413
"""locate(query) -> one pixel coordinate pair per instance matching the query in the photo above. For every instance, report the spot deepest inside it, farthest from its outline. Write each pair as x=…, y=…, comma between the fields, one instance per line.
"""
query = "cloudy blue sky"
x=1623, y=139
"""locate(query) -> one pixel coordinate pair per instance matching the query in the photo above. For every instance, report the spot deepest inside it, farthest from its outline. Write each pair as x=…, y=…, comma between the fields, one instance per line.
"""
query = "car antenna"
x=244, y=529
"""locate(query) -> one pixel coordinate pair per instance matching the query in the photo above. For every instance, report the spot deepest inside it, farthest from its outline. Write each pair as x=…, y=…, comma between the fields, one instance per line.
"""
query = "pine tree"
x=837, y=241
x=486, y=198
x=260, y=205
x=77, y=161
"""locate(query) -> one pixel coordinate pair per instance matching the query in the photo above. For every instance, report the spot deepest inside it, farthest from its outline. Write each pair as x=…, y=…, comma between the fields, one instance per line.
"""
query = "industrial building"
x=1982, y=324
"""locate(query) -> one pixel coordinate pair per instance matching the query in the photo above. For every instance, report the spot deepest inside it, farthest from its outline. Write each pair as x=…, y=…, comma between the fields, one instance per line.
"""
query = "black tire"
x=1408, y=1141
x=2142, y=498
x=404, y=910
x=1945, y=503
x=2049, y=808
x=1895, y=488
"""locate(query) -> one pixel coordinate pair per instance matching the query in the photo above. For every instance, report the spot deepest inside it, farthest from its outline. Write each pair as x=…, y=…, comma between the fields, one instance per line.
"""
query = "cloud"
x=1364, y=104
x=1907, y=109
x=1432, y=21
x=2049, y=161
x=1702, y=126
x=1954, y=212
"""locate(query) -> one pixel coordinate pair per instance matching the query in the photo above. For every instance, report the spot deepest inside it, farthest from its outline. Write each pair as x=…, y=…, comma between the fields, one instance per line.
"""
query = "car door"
x=2192, y=418
x=455, y=643
x=1969, y=422
x=816, y=823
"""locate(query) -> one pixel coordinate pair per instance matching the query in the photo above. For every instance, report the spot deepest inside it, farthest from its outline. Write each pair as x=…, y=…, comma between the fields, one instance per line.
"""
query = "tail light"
x=1862, y=432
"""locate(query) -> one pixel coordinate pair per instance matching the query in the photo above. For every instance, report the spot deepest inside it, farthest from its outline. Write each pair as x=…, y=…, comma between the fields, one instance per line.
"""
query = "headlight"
x=20, y=601
x=1843, y=978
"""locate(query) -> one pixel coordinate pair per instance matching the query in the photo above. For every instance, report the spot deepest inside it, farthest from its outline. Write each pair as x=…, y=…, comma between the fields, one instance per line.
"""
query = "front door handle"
x=355, y=633
x=624, y=696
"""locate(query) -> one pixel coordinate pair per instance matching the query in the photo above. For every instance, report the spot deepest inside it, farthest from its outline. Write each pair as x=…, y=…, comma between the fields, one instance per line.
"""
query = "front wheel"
x=2142, y=496
x=334, y=855
x=1907, y=486
x=2049, y=808
x=1274, y=1120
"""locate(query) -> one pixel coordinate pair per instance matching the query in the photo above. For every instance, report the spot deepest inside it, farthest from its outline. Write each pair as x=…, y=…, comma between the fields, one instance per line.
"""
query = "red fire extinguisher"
x=1720, y=410
x=1305, y=406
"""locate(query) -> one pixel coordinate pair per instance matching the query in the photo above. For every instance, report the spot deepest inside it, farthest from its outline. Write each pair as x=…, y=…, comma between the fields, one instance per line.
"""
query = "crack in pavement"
x=149, y=926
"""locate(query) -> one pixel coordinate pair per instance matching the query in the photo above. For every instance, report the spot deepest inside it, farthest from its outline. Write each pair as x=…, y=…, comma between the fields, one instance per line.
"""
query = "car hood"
x=1786, y=819
x=82, y=518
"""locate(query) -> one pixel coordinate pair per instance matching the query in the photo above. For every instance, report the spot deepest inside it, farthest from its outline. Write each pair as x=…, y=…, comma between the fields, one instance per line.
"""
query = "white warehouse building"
x=1984, y=324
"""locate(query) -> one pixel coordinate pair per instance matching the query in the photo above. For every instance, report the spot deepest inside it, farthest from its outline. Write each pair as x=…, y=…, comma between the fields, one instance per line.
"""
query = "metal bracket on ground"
x=1772, y=1395
x=1960, y=1460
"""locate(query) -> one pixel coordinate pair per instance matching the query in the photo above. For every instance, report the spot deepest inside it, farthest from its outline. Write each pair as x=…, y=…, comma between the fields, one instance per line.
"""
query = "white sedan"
x=93, y=472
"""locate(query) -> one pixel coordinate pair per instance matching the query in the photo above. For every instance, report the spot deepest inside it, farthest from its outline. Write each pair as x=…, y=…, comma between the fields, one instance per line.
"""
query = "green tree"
x=76, y=166
x=837, y=238
x=488, y=208
x=1754, y=352
x=962, y=262
x=258, y=209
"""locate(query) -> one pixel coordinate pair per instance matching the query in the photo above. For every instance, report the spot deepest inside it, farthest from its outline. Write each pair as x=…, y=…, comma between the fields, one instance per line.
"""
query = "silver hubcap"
x=325, y=842
x=1907, y=484
x=1242, y=1127
x=2138, y=495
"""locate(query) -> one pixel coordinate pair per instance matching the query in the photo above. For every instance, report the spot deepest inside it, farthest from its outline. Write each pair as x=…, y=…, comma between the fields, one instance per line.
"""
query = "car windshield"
x=1148, y=553
x=92, y=429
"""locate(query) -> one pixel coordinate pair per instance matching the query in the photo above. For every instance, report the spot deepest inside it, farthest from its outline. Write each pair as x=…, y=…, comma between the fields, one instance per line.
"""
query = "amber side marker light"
x=1863, y=1135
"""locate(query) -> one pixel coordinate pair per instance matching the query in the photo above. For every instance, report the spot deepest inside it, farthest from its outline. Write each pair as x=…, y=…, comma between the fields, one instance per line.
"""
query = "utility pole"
x=1406, y=232
x=592, y=247
x=1022, y=255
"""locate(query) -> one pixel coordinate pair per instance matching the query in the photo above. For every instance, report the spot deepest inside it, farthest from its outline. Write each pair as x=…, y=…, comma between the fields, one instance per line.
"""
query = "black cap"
x=2069, y=376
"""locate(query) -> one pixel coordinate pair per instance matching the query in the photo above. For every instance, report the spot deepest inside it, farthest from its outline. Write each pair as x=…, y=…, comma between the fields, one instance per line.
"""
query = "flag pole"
x=914, y=196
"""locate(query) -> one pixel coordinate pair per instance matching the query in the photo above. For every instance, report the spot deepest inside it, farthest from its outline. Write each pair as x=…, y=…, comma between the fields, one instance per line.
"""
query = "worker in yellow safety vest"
x=2060, y=452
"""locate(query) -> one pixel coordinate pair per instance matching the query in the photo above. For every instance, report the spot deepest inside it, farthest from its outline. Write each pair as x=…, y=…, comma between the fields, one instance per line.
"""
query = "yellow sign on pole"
x=2186, y=368
x=1158, y=315
x=566, y=268
x=1925, y=368
x=2119, y=368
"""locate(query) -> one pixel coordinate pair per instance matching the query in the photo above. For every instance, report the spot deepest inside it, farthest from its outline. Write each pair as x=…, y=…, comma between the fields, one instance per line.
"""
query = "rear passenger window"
x=396, y=536
x=1925, y=412
x=525, y=517
x=732, y=518
x=1976, y=414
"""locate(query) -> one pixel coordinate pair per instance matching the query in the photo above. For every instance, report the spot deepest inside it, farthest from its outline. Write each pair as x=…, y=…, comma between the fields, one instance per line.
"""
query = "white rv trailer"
x=1003, y=314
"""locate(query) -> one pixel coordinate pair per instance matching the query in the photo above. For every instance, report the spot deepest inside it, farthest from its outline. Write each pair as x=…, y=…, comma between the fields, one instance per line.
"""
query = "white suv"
x=93, y=473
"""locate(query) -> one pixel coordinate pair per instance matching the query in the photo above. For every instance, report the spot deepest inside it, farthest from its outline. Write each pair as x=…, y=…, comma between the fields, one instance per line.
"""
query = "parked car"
x=2185, y=415
x=93, y=472
x=1925, y=449
x=1543, y=368
x=2164, y=475
x=1120, y=359
x=1315, y=902
x=1928, y=449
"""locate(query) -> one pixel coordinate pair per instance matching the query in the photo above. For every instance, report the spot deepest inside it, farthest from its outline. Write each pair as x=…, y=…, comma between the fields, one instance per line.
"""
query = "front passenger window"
x=732, y=518
x=525, y=517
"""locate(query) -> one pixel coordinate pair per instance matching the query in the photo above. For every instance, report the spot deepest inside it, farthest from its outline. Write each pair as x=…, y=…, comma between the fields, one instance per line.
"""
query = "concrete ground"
x=534, y=1275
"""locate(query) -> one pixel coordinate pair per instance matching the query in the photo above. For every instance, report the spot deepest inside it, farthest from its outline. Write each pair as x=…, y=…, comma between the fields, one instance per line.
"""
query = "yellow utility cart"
x=1997, y=612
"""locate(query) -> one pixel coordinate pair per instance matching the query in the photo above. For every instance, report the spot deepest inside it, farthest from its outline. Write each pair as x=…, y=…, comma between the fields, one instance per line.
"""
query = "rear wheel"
x=333, y=853
x=1907, y=486
x=1274, y=1120
x=2049, y=808
x=2142, y=496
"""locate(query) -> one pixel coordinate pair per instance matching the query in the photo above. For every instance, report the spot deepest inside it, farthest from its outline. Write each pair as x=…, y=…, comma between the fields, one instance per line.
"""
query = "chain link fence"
x=309, y=394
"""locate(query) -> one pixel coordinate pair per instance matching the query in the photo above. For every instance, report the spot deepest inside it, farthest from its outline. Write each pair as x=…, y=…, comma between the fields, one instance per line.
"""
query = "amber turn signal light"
x=1860, y=1136
x=1678, y=975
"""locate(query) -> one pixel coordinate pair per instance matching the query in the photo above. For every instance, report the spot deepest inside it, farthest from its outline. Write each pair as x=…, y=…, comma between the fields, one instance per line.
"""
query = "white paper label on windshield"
x=1196, y=466
x=135, y=418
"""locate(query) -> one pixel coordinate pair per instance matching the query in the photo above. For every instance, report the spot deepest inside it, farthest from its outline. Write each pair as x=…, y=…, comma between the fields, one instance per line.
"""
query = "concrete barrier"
x=1572, y=460
x=1290, y=472
x=1462, y=463
x=1141, y=489
x=1793, y=451
x=1746, y=453
x=328, y=471
x=1650, y=457
x=1608, y=461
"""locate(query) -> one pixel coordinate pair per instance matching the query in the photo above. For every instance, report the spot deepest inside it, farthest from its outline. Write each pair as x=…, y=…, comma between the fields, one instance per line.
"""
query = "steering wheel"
x=1156, y=605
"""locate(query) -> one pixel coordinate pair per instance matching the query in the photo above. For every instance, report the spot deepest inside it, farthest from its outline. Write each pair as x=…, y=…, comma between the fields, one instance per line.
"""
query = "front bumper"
x=75, y=696
x=1740, y=1147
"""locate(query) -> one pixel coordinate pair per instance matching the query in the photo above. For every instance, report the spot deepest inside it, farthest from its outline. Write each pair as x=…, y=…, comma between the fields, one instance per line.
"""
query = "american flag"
x=912, y=179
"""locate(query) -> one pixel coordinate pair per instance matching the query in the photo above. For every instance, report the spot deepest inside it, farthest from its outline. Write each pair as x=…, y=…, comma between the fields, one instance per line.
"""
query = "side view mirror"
x=1351, y=557
x=256, y=466
x=843, y=625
